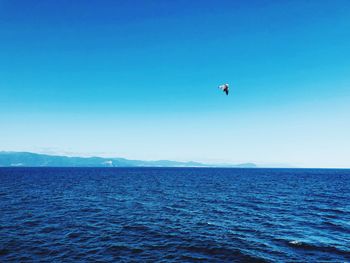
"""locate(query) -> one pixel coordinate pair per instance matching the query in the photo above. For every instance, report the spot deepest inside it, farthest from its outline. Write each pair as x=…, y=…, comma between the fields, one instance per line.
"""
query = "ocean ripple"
x=174, y=215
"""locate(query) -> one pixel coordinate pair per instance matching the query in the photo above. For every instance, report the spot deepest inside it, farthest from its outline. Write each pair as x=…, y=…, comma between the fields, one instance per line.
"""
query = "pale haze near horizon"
x=141, y=82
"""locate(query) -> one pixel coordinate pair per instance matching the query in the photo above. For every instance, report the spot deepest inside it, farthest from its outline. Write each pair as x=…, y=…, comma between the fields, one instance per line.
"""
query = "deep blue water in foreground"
x=174, y=215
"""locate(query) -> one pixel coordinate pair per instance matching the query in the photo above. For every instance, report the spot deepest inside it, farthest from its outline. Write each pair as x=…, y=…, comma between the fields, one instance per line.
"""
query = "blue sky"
x=138, y=79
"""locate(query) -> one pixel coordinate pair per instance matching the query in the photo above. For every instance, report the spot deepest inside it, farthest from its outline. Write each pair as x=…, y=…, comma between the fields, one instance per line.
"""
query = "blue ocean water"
x=174, y=215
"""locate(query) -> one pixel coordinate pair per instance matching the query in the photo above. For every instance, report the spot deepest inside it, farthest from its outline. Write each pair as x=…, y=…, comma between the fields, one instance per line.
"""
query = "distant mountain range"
x=27, y=159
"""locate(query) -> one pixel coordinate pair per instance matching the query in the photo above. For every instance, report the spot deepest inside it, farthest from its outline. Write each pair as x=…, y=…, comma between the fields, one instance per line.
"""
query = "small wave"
x=223, y=253
x=32, y=223
x=48, y=229
x=117, y=248
x=90, y=210
x=185, y=258
x=308, y=246
x=73, y=235
x=208, y=224
x=136, y=227
x=295, y=242
x=329, y=210
x=336, y=226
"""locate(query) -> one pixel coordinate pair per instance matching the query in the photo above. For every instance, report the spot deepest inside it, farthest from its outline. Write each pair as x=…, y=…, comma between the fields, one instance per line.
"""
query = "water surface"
x=174, y=215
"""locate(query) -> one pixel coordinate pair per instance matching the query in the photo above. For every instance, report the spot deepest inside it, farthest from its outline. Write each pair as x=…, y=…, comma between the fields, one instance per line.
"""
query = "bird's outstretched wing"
x=222, y=87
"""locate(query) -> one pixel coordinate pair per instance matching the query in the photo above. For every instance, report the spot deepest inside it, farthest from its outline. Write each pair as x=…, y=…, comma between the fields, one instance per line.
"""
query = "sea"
x=174, y=215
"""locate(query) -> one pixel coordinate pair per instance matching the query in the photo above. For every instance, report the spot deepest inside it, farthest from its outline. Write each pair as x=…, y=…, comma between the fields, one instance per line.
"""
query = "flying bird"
x=224, y=88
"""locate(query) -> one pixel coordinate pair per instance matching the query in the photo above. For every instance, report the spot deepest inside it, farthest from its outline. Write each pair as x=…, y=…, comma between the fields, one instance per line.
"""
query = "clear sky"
x=138, y=79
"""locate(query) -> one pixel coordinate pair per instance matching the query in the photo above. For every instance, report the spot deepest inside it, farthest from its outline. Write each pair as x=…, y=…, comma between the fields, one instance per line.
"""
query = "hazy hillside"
x=26, y=159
